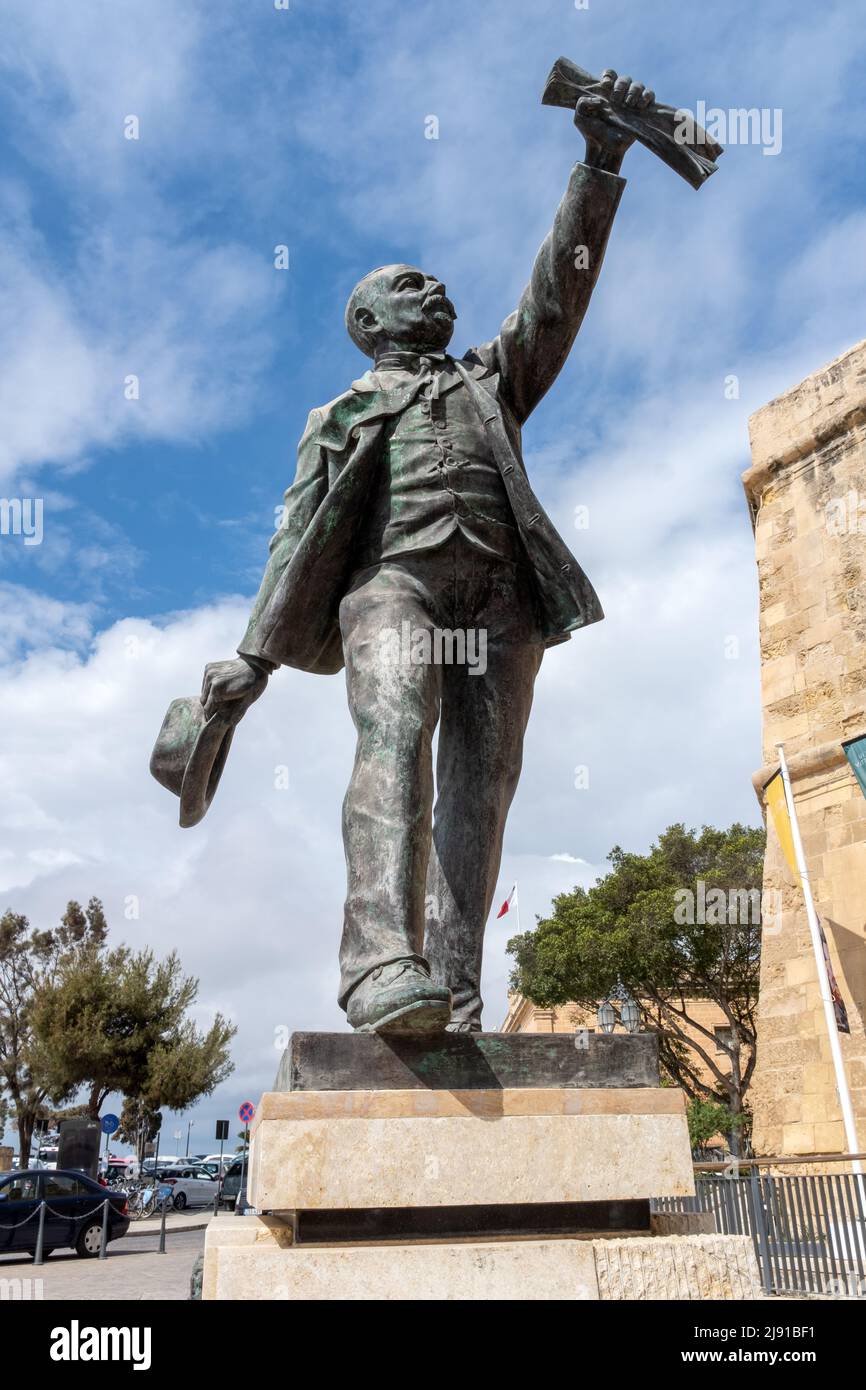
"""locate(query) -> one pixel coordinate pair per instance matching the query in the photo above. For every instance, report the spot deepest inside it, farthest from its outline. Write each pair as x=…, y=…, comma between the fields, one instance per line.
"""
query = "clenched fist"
x=227, y=682
x=607, y=139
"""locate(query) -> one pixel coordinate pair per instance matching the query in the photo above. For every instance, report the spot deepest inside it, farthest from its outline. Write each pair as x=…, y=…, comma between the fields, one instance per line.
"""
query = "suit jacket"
x=295, y=618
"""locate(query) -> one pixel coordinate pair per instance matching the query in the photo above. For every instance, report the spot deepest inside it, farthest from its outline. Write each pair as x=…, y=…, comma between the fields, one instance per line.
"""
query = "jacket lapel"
x=368, y=401
x=372, y=399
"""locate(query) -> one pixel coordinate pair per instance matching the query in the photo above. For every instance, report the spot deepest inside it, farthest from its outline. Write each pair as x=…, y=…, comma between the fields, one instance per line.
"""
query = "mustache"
x=440, y=301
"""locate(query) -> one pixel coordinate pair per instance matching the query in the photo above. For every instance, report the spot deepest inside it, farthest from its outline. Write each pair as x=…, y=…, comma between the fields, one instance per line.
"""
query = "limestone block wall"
x=807, y=492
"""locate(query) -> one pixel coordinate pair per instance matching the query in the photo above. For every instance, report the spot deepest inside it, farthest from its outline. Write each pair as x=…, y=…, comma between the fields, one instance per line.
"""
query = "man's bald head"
x=402, y=306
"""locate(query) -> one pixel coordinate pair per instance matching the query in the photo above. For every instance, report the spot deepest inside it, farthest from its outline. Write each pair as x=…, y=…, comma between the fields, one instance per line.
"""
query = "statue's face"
x=404, y=305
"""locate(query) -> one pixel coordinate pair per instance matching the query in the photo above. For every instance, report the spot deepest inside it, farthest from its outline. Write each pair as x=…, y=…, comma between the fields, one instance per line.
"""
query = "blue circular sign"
x=109, y=1124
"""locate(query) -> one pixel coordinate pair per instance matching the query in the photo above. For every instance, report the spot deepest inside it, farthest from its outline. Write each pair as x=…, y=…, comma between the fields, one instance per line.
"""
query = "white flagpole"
x=517, y=905
x=823, y=979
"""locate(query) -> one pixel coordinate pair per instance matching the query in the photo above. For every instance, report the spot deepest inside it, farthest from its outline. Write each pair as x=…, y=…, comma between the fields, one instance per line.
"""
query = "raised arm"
x=535, y=340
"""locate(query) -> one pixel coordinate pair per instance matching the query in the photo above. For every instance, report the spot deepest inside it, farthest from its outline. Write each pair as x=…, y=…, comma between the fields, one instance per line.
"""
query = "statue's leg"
x=387, y=811
x=480, y=753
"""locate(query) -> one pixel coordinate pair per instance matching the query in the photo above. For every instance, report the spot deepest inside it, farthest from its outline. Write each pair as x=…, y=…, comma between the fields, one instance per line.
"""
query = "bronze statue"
x=411, y=533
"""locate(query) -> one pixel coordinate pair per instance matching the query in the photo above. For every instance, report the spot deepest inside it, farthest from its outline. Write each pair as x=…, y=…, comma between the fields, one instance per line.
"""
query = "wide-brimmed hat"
x=190, y=754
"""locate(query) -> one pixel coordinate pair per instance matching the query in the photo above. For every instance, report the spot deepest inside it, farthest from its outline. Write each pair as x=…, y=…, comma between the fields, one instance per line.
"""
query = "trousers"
x=445, y=638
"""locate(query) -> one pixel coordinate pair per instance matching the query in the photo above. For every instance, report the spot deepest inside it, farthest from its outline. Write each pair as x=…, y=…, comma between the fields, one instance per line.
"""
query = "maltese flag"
x=506, y=906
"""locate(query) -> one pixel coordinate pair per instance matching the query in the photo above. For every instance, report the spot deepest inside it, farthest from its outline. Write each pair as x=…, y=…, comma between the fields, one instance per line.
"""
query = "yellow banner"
x=774, y=795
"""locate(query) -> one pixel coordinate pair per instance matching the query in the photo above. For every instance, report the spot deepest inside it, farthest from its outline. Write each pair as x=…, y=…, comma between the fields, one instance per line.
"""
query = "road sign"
x=222, y=1129
x=109, y=1124
x=247, y=1113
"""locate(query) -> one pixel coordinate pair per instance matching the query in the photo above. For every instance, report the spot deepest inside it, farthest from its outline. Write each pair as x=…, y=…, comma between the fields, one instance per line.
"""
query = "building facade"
x=806, y=490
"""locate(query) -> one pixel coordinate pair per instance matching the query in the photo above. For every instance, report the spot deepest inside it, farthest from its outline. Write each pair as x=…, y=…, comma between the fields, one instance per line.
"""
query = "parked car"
x=123, y=1167
x=231, y=1184
x=190, y=1187
x=46, y=1157
x=73, y=1215
x=216, y=1165
x=150, y=1165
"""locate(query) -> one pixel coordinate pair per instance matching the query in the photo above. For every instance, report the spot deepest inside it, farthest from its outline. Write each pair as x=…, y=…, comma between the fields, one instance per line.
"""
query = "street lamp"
x=606, y=1017
x=630, y=1014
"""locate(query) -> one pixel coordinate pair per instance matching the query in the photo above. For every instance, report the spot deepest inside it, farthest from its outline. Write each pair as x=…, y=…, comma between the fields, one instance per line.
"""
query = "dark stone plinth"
x=466, y=1062
x=448, y=1223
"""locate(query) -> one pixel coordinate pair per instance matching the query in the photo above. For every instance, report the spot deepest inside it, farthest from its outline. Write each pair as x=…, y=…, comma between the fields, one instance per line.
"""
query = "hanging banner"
x=835, y=993
x=774, y=796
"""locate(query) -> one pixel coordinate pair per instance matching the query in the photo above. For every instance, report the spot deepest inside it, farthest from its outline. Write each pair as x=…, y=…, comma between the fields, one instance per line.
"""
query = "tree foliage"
x=140, y=1123
x=676, y=925
x=76, y=1013
x=29, y=963
x=116, y=1020
x=707, y=1118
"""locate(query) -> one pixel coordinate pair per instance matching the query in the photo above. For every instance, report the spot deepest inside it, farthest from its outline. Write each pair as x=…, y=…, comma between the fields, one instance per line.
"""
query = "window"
x=21, y=1189
x=724, y=1038
x=62, y=1185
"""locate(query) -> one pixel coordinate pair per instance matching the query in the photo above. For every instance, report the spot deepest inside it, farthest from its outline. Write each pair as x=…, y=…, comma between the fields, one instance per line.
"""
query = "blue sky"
x=155, y=257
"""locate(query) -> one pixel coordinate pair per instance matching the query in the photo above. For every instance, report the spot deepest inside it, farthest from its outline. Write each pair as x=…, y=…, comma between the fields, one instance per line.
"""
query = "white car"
x=190, y=1187
x=164, y=1161
x=215, y=1164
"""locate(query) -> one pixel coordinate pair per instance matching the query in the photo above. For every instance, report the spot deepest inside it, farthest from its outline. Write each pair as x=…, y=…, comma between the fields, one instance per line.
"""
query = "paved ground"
x=133, y=1268
x=174, y=1221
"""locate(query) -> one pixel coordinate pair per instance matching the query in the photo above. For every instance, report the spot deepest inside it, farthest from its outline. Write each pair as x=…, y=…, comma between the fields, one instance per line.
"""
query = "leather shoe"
x=399, y=997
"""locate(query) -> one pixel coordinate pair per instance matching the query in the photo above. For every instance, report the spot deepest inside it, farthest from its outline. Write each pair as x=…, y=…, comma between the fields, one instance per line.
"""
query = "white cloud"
x=130, y=283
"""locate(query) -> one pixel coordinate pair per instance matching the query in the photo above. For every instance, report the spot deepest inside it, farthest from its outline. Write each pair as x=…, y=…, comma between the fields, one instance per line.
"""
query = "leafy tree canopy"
x=679, y=924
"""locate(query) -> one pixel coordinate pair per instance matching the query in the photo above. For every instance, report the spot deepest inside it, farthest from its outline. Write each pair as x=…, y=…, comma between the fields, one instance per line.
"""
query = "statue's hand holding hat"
x=190, y=752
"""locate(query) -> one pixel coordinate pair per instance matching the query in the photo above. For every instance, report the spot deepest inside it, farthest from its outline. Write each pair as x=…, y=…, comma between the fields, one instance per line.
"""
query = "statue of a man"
x=411, y=522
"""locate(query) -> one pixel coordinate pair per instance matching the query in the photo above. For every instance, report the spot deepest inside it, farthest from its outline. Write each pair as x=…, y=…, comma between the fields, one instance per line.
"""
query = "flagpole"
x=517, y=905
x=823, y=978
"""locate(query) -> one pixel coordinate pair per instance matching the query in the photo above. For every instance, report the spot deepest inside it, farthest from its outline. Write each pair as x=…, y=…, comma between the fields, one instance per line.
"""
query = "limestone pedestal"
x=423, y=1191
x=252, y=1257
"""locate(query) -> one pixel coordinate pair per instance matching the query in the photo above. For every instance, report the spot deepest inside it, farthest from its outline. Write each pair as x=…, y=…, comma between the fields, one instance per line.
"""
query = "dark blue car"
x=73, y=1215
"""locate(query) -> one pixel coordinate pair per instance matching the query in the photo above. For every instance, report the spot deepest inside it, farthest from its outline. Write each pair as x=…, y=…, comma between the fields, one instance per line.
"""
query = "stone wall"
x=807, y=492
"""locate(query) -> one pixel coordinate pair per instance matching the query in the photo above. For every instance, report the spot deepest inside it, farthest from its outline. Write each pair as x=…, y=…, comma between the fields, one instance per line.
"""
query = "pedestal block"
x=467, y=1061
x=502, y=1187
x=251, y=1257
x=314, y=1150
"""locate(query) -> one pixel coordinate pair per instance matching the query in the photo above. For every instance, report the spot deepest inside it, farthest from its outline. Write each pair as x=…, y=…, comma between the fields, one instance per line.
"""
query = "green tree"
x=116, y=1020
x=679, y=924
x=29, y=962
x=140, y=1123
x=707, y=1118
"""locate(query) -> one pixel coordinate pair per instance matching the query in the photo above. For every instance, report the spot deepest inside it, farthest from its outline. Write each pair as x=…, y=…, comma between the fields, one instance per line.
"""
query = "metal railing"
x=808, y=1230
